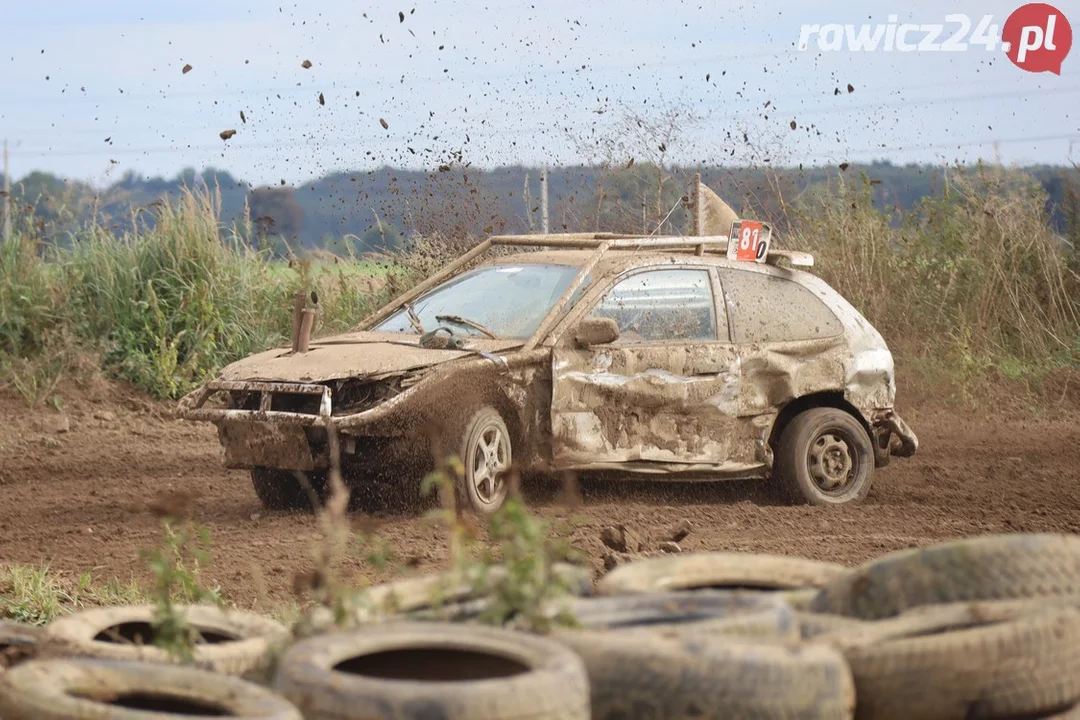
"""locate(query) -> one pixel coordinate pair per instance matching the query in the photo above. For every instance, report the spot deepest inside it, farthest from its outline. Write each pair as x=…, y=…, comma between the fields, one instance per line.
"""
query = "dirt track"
x=75, y=500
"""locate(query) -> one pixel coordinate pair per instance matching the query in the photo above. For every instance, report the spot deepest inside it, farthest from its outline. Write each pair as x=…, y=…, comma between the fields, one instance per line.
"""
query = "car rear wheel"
x=486, y=454
x=825, y=457
x=281, y=490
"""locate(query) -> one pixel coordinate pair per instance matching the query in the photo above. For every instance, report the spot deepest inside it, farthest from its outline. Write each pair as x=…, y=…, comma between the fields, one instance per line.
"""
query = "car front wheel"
x=486, y=455
x=825, y=457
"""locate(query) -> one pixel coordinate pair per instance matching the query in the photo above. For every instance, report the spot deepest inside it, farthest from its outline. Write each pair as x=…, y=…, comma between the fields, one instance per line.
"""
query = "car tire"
x=485, y=451
x=760, y=572
x=280, y=490
x=433, y=670
x=824, y=457
x=61, y=689
x=235, y=642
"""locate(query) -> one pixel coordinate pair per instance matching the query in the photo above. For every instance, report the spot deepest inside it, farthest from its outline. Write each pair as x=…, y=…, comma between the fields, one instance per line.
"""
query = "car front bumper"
x=288, y=439
x=263, y=436
x=892, y=437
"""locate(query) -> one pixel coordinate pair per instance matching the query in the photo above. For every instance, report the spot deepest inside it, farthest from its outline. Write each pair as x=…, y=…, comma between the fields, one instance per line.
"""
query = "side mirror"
x=596, y=331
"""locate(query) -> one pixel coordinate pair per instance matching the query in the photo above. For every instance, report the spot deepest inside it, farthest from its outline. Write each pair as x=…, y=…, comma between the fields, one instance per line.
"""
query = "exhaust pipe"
x=303, y=321
x=305, y=330
x=297, y=318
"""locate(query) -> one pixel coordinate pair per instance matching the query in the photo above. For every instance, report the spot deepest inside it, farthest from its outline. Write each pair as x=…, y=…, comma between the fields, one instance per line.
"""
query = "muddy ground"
x=75, y=492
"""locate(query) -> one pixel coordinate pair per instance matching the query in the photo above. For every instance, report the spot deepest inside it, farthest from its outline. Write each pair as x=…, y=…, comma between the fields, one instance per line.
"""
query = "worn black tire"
x=634, y=676
x=666, y=608
x=965, y=662
x=774, y=623
x=18, y=642
x=280, y=490
x=485, y=420
x=718, y=570
x=990, y=567
x=429, y=595
x=461, y=672
x=121, y=690
x=791, y=464
x=798, y=599
x=448, y=596
x=243, y=643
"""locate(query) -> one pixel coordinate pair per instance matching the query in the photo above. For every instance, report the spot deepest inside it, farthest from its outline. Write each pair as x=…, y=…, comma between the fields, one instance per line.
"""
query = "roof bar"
x=699, y=243
x=601, y=242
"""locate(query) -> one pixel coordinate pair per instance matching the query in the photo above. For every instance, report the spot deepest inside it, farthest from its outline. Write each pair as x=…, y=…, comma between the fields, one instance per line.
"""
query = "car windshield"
x=508, y=300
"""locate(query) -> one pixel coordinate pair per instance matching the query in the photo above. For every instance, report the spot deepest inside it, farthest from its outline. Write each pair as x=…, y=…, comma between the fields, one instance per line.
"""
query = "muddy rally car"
x=693, y=357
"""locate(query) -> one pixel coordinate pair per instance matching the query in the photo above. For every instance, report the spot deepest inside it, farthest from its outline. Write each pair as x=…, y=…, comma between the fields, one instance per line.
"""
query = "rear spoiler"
x=797, y=258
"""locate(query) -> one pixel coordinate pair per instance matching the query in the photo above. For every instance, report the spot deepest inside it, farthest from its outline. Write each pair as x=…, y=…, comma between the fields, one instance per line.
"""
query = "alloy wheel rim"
x=832, y=462
x=490, y=459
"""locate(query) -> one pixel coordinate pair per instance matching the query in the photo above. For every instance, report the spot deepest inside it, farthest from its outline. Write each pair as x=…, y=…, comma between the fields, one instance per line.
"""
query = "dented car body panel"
x=709, y=354
x=670, y=406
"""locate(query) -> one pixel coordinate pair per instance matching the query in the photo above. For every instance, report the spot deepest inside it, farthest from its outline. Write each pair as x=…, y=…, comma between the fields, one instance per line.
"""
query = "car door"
x=663, y=397
x=790, y=343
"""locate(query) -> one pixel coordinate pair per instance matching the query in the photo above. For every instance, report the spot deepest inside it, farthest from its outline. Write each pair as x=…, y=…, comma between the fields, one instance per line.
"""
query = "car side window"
x=766, y=308
x=661, y=305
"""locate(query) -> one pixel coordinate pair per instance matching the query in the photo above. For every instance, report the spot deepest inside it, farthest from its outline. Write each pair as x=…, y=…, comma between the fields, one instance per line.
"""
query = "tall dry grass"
x=969, y=280
x=975, y=274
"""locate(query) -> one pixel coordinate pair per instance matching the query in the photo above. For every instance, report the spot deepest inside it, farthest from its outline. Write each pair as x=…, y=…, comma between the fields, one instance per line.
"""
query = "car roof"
x=615, y=261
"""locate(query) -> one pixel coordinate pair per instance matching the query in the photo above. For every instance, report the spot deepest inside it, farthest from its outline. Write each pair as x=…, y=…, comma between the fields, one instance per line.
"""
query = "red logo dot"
x=1037, y=38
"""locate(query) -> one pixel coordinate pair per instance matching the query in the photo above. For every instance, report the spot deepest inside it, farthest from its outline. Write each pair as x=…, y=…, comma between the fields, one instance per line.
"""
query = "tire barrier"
x=233, y=642
x=85, y=689
x=979, y=628
x=405, y=670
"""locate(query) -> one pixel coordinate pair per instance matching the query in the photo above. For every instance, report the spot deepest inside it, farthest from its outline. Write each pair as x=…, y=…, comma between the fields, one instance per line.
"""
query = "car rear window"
x=766, y=308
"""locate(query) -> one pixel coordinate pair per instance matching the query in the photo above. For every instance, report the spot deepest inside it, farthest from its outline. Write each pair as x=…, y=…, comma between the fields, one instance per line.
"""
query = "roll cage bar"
x=600, y=243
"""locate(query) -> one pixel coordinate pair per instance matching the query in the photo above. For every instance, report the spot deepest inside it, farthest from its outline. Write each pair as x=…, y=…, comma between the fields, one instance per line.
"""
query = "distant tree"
x=55, y=204
x=276, y=212
x=462, y=203
x=635, y=188
x=381, y=237
x=632, y=200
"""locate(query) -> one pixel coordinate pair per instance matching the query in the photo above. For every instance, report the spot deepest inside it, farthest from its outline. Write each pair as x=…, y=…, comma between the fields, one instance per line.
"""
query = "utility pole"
x=7, y=195
x=526, y=195
x=544, y=201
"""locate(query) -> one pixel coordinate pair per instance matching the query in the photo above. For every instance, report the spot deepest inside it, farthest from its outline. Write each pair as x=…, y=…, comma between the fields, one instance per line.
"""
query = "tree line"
x=377, y=210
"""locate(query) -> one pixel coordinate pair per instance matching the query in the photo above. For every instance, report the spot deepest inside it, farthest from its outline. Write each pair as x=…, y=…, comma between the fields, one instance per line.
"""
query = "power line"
x=426, y=79
x=278, y=145
x=820, y=110
x=968, y=143
x=933, y=101
x=353, y=84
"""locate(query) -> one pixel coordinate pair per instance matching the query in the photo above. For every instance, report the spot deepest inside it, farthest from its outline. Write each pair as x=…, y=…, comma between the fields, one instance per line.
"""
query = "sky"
x=90, y=91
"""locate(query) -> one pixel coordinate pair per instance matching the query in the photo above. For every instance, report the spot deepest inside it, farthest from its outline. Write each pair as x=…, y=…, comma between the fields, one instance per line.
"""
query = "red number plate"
x=750, y=245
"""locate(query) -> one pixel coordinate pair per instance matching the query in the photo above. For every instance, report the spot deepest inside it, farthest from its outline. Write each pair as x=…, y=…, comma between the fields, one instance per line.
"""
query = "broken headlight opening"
x=348, y=396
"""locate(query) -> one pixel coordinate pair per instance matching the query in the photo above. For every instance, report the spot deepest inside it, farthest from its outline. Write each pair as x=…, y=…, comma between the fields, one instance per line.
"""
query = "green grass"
x=164, y=308
x=349, y=267
x=36, y=595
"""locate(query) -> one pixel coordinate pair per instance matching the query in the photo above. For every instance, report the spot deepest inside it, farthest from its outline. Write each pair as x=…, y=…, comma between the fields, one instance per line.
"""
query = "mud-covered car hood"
x=358, y=354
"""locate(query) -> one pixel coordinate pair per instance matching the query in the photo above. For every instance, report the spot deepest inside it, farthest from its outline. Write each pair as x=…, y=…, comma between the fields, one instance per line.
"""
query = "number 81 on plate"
x=751, y=241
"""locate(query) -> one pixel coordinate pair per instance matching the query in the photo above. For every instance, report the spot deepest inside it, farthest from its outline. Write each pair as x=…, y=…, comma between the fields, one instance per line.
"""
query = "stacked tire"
x=986, y=627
